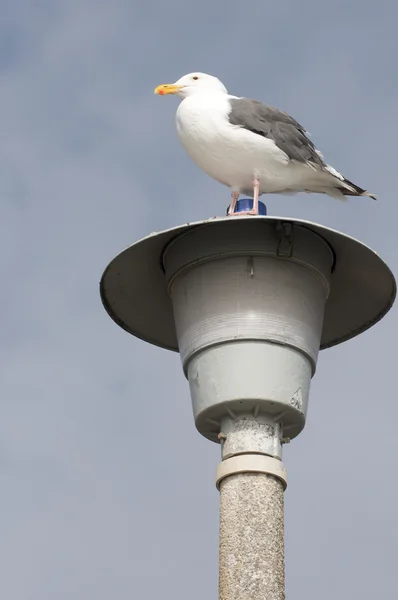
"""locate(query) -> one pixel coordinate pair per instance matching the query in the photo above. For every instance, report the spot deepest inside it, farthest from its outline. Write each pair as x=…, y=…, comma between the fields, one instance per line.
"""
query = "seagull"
x=248, y=146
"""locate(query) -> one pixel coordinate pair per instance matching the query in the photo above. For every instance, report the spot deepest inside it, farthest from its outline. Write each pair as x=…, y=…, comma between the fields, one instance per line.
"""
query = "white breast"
x=230, y=154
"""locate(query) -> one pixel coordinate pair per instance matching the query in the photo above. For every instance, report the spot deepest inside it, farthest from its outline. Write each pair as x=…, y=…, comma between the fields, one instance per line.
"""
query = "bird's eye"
x=195, y=78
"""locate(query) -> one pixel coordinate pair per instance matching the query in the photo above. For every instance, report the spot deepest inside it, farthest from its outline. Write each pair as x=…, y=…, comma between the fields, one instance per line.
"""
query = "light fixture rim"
x=157, y=241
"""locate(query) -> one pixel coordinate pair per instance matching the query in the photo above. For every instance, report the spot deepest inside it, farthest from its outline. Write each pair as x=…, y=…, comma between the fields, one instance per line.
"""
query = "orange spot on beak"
x=167, y=88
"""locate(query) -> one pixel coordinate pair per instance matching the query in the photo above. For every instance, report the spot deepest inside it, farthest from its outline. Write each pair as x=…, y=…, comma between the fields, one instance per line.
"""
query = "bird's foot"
x=243, y=213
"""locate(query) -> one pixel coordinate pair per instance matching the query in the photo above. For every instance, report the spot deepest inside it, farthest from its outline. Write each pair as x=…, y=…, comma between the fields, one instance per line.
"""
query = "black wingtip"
x=355, y=190
x=369, y=195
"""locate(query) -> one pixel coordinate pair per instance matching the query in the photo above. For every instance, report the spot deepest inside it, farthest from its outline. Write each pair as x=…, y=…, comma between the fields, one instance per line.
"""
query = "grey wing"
x=278, y=126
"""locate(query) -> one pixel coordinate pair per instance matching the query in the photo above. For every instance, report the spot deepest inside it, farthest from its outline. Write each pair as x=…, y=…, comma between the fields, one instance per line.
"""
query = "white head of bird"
x=193, y=83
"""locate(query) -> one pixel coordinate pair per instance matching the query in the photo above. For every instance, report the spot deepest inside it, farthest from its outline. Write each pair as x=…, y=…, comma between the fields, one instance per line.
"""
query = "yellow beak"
x=167, y=88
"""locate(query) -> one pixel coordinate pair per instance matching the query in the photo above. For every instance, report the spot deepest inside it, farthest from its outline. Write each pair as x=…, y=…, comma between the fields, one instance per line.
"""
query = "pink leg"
x=234, y=199
x=254, y=210
x=256, y=194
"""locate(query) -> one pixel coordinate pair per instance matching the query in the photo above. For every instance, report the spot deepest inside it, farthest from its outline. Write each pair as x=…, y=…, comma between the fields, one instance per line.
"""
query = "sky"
x=107, y=490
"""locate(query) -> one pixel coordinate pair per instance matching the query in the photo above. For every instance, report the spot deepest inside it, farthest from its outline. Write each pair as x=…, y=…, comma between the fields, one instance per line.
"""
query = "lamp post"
x=248, y=302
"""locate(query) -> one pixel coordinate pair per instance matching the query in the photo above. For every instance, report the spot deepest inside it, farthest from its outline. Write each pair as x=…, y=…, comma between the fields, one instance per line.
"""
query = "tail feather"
x=354, y=190
x=347, y=187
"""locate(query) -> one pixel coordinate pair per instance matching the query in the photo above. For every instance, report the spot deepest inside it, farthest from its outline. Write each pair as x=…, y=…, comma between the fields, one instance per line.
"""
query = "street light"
x=248, y=302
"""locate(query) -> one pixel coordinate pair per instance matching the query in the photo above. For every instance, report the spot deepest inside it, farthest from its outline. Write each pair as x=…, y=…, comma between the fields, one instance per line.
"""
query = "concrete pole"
x=251, y=510
x=251, y=538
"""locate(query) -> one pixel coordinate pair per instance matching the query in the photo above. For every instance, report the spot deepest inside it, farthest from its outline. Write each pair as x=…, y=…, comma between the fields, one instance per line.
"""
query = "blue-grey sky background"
x=107, y=490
